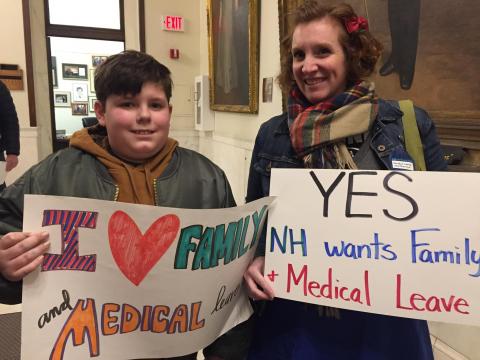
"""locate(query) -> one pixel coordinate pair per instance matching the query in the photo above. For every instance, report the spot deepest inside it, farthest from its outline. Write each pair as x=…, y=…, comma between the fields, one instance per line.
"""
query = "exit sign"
x=173, y=23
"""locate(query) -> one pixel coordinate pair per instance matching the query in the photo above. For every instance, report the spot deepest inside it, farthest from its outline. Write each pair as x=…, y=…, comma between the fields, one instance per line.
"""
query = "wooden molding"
x=458, y=128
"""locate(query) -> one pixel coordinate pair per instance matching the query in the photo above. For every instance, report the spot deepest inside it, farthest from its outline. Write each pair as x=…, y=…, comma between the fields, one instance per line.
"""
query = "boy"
x=128, y=157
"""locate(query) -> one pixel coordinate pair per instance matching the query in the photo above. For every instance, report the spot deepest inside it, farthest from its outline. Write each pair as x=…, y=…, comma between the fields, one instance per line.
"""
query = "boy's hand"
x=257, y=287
x=21, y=253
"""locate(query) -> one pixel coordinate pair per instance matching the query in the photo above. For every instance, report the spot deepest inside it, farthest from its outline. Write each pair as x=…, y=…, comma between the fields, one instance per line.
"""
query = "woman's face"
x=319, y=62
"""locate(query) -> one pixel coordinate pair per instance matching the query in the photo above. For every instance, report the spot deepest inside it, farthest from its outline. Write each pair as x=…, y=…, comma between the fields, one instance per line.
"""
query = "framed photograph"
x=54, y=72
x=80, y=108
x=98, y=59
x=91, y=103
x=91, y=80
x=74, y=71
x=61, y=98
x=80, y=91
x=267, y=89
x=233, y=55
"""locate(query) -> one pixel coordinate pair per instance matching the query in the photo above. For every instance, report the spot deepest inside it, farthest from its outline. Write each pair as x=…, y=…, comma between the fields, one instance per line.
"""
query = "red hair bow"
x=356, y=24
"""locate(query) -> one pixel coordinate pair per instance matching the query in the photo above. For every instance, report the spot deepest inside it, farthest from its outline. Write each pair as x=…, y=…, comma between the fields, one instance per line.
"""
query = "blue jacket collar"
x=388, y=111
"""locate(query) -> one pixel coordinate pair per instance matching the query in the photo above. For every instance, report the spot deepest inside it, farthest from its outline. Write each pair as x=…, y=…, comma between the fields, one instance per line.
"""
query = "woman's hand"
x=21, y=253
x=257, y=287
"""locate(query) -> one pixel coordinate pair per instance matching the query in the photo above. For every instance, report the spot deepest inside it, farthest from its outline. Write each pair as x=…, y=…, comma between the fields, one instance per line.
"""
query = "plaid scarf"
x=317, y=131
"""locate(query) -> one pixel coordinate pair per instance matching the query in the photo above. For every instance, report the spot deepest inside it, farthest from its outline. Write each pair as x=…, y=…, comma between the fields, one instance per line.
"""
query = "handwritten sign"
x=398, y=243
x=125, y=281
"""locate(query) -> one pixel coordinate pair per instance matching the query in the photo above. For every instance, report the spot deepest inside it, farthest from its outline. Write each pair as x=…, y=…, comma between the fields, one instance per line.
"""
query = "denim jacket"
x=273, y=148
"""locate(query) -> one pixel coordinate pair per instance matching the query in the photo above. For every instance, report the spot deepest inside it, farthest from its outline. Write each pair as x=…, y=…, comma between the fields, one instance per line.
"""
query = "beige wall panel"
x=13, y=51
x=132, y=38
x=184, y=69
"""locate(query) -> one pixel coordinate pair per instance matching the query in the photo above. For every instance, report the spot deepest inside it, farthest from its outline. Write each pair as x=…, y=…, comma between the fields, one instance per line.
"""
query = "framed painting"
x=267, y=89
x=233, y=27
x=74, y=71
x=98, y=59
x=79, y=92
x=61, y=98
x=428, y=58
x=79, y=108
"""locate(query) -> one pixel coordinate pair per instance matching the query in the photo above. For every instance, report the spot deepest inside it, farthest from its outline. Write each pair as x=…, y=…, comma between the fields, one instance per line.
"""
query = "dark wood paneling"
x=85, y=32
x=141, y=24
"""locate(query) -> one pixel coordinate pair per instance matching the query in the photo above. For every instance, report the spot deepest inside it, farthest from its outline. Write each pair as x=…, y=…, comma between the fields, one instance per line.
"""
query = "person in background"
x=127, y=157
x=335, y=120
x=9, y=131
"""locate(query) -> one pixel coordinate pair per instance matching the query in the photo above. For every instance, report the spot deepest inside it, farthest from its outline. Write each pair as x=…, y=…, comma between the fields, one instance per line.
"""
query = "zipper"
x=155, y=192
x=117, y=191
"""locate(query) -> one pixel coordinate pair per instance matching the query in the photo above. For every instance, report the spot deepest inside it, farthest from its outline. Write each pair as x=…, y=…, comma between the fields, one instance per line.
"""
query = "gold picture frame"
x=233, y=43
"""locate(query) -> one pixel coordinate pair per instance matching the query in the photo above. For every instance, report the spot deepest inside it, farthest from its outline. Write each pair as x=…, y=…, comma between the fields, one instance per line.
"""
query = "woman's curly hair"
x=361, y=49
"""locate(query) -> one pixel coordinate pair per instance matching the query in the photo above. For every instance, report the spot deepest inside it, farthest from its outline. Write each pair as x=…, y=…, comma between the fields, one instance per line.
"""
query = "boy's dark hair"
x=126, y=73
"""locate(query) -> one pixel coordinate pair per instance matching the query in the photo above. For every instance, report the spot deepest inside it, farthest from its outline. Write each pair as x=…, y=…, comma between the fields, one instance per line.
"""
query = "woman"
x=334, y=120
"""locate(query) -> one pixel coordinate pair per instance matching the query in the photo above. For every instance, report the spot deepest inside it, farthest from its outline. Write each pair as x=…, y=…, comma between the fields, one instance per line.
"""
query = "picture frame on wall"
x=267, y=89
x=80, y=91
x=61, y=98
x=233, y=55
x=91, y=103
x=98, y=59
x=79, y=108
x=75, y=71
x=91, y=80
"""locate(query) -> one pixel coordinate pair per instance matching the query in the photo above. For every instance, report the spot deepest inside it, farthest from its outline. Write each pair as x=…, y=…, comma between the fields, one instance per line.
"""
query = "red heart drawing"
x=134, y=253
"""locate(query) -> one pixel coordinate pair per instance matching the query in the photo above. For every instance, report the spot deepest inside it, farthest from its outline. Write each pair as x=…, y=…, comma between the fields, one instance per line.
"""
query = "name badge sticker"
x=402, y=165
x=401, y=160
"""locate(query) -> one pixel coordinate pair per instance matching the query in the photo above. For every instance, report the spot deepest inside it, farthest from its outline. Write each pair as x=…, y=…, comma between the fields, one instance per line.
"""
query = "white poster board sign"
x=398, y=243
x=124, y=281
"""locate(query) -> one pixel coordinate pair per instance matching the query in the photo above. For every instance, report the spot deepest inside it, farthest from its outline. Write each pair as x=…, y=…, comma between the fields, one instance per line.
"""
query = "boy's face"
x=137, y=126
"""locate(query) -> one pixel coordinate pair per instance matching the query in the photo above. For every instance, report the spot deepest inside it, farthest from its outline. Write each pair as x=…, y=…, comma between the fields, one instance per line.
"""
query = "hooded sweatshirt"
x=135, y=182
